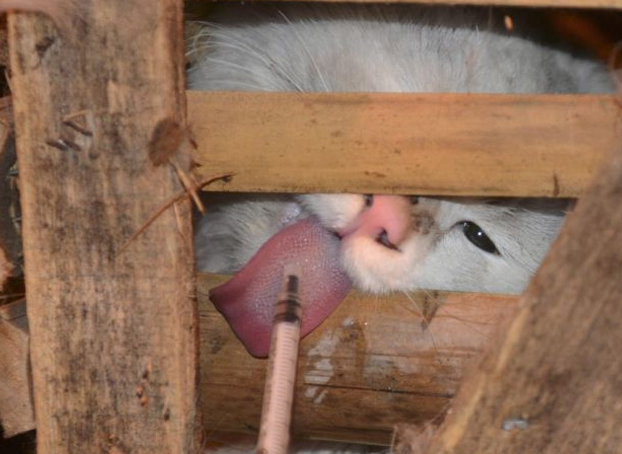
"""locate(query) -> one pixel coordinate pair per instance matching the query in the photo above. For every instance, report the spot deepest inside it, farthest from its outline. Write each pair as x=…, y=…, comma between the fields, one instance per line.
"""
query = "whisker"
x=424, y=319
x=414, y=304
x=267, y=61
x=249, y=87
x=305, y=48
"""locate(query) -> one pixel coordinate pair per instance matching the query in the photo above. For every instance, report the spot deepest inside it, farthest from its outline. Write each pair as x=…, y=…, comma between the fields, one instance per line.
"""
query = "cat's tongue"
x=248, y=299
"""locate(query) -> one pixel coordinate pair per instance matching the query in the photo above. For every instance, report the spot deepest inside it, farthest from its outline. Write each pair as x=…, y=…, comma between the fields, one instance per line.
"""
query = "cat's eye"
x=476, y=235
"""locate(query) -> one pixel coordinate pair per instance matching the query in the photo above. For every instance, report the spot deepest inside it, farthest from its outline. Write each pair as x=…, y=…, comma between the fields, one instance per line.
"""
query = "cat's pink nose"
x=386, y=220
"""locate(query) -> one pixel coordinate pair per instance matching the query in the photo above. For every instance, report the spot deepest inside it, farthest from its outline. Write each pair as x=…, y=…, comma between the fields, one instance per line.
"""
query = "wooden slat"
x=373, y=363
x=438, y=144
x=553, y=380
x=531, y=3
x=113, y=336
x=16, y=410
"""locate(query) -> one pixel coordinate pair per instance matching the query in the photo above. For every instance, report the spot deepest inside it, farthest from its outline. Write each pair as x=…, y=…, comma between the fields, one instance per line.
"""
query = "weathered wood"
x=114, y=337
x=532, y=3
x=440, y=144
x=373, y=363
x=553, y=380
x=16, y=411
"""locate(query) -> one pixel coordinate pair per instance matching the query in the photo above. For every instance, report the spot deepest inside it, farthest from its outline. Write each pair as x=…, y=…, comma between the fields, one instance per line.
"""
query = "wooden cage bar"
x=425, y=144
x=113, y=336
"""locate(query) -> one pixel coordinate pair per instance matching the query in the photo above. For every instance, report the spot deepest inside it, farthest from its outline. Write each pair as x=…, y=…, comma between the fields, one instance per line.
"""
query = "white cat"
x=382, y=243
x=388, y=242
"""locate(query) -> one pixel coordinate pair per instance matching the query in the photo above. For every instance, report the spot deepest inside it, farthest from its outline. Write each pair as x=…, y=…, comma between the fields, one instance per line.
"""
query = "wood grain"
x=113, y=337
x=434, y=144
x=555, y=373
x=375, y=362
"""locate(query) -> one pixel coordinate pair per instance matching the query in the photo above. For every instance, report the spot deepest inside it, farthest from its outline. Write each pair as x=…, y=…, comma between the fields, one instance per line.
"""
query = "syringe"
x=281, y=375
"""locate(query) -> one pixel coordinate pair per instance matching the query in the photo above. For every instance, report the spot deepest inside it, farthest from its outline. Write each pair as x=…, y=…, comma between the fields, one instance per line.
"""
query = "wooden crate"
x=114, y=336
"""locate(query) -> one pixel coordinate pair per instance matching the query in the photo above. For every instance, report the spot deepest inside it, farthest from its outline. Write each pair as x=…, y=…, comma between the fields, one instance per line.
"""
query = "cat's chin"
x=377, y=269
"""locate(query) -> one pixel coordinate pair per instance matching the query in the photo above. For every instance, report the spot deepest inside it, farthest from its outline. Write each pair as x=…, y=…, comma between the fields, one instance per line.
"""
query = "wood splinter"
x=176, y=198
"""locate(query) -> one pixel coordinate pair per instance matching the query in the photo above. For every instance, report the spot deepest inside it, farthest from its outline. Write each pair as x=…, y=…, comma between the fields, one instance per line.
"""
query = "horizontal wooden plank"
x=427, y=144
x=374, y=362
x=530, y=3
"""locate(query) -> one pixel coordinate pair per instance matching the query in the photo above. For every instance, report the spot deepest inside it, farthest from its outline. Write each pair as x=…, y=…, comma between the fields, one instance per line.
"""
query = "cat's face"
x=379, y=243
x=391, y=243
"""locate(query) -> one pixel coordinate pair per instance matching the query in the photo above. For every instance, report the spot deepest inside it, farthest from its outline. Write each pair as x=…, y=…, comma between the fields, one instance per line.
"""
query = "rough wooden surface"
x=439, y=144
x=9, y=240
x=373, y=363
x=16, y=410
x=113, y=337
x=533, y=3
x=553, y=381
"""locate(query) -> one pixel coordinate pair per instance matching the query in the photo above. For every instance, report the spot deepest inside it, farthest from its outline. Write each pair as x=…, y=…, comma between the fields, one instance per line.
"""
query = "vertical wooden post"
x=553, y=383
x=114, y=334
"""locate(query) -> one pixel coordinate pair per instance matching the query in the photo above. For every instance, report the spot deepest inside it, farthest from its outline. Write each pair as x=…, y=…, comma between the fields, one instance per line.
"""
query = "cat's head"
x=393, y=243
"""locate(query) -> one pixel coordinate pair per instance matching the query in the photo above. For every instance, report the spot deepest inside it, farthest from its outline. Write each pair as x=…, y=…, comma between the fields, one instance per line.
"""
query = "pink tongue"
x=248, y=299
